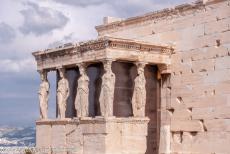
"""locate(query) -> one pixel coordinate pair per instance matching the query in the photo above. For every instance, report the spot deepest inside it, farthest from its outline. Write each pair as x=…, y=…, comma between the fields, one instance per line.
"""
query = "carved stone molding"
x=100, y=120
x=157, y=15
x=99, y=44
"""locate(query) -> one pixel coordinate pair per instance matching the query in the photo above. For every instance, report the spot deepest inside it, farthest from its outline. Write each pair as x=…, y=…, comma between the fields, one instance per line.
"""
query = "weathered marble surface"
x=139, y=93
x=192, y=111
x=107, y=90
x=82, y=97
x=93, y=135
x=62, y=93
x=43, y=94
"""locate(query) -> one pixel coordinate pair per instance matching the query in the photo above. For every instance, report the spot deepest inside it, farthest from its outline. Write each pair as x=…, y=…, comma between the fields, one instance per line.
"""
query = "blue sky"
x=30, y=25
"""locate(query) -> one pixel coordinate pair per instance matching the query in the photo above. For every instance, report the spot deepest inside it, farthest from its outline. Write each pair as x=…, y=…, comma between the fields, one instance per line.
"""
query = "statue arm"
x=67, y=89
x=47, y=87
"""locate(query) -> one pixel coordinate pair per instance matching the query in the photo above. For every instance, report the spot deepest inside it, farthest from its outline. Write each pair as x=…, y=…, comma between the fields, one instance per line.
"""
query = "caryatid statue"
x=43, y=94
x=139, y=93
x=82, y=97
x=107, y=90
x=62, y=93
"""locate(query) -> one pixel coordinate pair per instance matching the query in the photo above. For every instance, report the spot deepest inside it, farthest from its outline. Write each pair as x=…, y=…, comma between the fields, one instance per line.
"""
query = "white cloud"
x=82, y=3
x=41, y=20
x=125, y=8
x=7, y=33
x=21, y=65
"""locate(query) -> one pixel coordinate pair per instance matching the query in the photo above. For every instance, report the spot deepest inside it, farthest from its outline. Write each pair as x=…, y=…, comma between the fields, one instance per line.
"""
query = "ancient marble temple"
x=107, y=85
x=156, y=83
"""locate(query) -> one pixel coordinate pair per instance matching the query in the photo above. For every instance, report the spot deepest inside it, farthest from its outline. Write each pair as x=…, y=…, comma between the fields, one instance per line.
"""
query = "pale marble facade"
x=157, y=83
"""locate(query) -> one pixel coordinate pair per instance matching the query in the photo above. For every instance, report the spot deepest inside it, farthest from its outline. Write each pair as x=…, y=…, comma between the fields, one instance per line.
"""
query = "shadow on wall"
x=152, y=98
x=72, y=76
x=125, y=74
x=95, y=72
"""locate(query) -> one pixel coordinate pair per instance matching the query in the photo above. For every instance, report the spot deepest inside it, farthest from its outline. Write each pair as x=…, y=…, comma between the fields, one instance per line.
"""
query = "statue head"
x=82, y=69
x=61, y=72
x=43, y=75
x=108, y=65
x=140, y=68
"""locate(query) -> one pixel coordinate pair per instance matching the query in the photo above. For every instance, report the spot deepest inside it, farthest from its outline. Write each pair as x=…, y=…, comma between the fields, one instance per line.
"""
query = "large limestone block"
x=181, y=114
x=181, y=68
x=202, y=143
x=222, y=63
x=217, y=125
x=113, y=143
x=133, y=144
x=217, y=26
x=223, y=37
x=208, y=101
x=58, y=139
x=211, y=142
x=186, y=125
x=195, y=78
x=113, y=127
x=203, y=65
x=217, y=76
x=218, y=10
x=180, y=92
x=74, y=139
x=94, y=144
x=183, y=22
x=93, y=127
x=43, y=136
x=181, y=142
x=211, y=113
x=223, y=89
x=134, y=129
x=214, y=52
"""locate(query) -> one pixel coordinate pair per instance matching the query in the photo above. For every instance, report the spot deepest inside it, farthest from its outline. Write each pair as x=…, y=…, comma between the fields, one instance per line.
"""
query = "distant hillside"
x=16, y=137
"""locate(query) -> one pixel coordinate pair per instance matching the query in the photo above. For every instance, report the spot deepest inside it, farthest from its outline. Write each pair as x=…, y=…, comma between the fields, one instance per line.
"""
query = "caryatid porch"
x=108, y=108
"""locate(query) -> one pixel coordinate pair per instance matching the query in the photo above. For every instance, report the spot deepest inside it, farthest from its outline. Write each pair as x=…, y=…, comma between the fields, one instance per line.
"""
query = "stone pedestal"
x=93, y=135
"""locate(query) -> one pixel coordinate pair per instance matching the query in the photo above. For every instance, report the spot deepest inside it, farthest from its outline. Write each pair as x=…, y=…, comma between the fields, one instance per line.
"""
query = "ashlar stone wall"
x=195, y=98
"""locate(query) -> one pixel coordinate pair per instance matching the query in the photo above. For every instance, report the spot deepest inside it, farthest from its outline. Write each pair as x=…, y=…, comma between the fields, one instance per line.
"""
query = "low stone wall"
x=92, y=135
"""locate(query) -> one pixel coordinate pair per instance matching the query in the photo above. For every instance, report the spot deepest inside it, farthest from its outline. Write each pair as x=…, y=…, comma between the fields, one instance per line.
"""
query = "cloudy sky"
x=30, y=25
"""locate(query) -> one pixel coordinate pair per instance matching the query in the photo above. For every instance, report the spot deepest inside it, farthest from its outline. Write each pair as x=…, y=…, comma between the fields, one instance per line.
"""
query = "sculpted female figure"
x=139, y=93
x=81, y=100
x=43, y=94
x=62, y=93
x=107, y=90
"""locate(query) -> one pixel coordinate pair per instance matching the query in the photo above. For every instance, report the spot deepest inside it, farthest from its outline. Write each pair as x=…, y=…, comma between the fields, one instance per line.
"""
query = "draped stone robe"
x=62, y=95
x=43, y=95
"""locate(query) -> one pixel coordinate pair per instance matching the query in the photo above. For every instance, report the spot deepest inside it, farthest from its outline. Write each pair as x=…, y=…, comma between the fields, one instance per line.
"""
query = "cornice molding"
x=89, y=120
x=100, y=44
x=179, y=10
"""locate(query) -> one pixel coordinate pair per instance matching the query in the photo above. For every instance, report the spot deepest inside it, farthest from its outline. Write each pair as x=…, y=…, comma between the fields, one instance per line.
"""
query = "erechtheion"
x=158, y=83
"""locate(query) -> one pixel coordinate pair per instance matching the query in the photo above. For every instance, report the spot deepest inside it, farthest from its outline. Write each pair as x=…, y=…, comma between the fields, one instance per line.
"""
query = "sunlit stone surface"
x=156, y=83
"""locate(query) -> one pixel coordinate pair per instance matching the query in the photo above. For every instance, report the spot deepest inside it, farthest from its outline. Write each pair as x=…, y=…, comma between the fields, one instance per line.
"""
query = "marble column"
x=107, y=90
x=43, y=94
x=139, y=93
x=82, y=96
x=62, y=93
